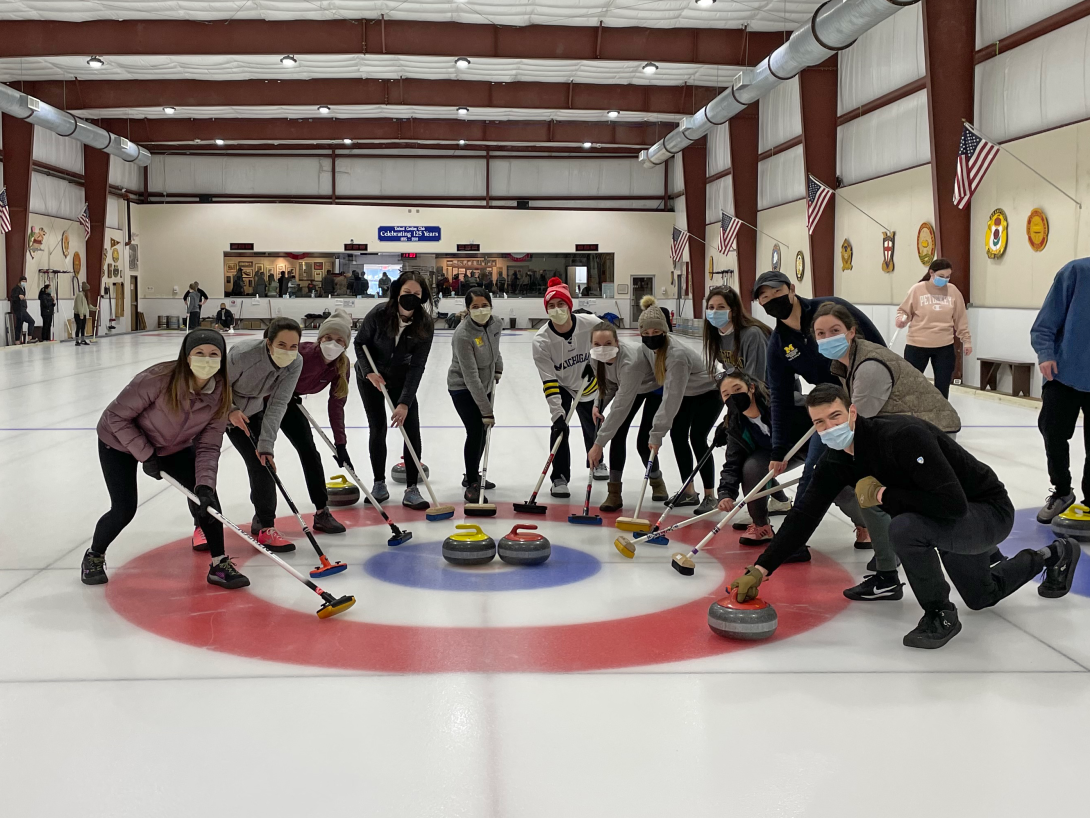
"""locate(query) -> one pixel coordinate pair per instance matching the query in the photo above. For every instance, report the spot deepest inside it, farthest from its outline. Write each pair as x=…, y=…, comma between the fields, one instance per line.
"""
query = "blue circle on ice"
x=1028, y=533
x=422, y=566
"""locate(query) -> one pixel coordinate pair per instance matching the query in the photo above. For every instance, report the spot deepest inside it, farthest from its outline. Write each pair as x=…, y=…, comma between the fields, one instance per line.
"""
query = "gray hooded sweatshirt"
x=475, y=360
x=255, y=377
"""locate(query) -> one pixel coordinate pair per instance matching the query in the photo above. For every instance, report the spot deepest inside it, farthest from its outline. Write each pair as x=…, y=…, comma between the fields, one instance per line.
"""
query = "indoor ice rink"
x=319, y=172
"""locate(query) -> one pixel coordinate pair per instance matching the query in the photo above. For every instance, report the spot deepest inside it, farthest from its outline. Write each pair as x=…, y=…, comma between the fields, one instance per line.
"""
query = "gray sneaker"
x=560, y=488
x=706, y=505
x=601, y=472
x=413, y=500
x=380, y=492
x=1055, y=505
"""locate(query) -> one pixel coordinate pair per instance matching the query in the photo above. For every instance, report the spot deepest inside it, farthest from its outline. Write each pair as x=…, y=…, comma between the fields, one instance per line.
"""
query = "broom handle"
x=559, y=440
x=401, y=427
x=753, y=493
x=643, y=488
x=488, y=440
x=676, y=497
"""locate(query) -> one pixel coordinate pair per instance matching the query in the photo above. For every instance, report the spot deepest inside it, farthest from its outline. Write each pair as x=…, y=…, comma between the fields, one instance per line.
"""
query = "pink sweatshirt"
x=936, y=315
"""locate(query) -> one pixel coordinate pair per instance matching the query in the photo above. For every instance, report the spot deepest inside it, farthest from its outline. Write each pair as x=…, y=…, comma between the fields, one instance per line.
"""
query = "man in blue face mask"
x=948, y=509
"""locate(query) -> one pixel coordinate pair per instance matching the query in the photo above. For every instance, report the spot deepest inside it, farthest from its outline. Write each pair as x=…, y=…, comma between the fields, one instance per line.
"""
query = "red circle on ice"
x=164, y=591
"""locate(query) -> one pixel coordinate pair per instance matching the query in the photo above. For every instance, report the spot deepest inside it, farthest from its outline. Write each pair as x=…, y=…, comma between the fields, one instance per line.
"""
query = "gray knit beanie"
x=339, y=325
x=652, y=317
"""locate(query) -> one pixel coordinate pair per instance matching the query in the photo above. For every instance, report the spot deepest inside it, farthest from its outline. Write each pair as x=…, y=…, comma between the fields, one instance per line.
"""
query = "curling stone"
x=524, y=546
x=1073, y=523
x=742, y=620
x=470, y=547
x=342, y=492
x=398, y=472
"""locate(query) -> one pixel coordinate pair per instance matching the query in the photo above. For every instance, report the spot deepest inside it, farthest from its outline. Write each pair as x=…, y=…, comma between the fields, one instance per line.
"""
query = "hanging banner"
x=409, y=233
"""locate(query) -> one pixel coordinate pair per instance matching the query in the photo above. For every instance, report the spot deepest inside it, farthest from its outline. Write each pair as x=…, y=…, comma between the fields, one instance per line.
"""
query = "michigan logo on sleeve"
x=791, y=352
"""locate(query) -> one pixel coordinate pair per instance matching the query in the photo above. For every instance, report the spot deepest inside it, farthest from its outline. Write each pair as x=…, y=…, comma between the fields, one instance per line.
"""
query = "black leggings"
x=692, y=424
x=618, y=447
x=262, y=487
x=81, y=325
x=470, y=414
x=194, y=320
x=47, y=327
x=942, y=359
x=374, y=404
x=119, y=469
x=585, y=412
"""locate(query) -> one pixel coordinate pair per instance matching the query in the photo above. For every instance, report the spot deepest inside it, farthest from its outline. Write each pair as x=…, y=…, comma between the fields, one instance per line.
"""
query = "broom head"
x=336, y=606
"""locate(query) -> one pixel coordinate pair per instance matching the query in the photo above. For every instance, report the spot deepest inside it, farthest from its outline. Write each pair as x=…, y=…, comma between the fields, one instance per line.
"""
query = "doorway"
x=641, y=286
x=134, y=311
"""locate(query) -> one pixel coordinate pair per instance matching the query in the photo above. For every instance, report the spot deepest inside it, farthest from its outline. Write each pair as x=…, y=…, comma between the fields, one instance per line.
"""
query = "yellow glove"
x=866, y=491
x=748, y=583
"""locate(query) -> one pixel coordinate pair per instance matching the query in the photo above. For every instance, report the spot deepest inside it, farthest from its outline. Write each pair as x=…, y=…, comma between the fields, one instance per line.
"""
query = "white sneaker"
x=778, y=507
x=560, y=488
x=601, y=472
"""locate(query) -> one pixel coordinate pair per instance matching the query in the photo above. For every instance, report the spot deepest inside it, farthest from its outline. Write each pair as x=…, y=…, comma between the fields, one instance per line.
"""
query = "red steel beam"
x=42, y=38
x=694, y=169
x=794, y=142
x=559, y=96
x=744, y=140
x=1058, y=20
x=469, y=150
x=18, y=137
x=96, y=189
x=818, y=95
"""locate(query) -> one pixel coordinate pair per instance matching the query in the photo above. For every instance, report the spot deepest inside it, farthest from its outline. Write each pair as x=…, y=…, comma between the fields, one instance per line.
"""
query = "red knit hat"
x=558, y=289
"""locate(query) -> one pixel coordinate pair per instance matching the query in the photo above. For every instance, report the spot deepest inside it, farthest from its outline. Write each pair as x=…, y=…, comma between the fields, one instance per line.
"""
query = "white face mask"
x=605, y=354
x=204, y=368
x=559, y=315
x=283, y=357
x=332, y=350
x=481, y=314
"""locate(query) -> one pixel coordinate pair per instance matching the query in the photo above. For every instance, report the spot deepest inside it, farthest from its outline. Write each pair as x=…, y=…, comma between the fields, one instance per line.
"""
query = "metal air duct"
x=834, y=26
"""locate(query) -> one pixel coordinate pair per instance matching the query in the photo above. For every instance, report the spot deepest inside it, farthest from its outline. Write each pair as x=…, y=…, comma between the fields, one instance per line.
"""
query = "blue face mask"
x=833, y=348
x=939, y=281
x=839, y=437
x=718, y=318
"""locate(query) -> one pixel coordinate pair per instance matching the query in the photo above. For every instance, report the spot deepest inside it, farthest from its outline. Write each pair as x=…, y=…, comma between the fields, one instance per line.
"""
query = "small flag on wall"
x=677, y=247
x=85, y=220
x=817, y=196
x=975, y=156
x=5, y=213
x=728, y=232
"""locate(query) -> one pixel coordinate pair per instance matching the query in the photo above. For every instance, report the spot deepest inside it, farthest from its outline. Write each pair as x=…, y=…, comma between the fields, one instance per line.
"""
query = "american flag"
x=5, y=214
x=677, y=248
x=85, y=220
x=975, y=156
x=728, y=232
x=817, y=196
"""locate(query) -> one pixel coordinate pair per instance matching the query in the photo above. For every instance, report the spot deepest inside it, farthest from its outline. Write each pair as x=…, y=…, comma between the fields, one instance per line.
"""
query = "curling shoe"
x=93, y=569
x=200, y=543
x=413, y=500
x=862, y=539
x=706, y=504
x=488, y=484
x=936, y=628
x=379, y=492
x=271, y=539
x=601, y=472
x=224, y=574
x=778, y=508
x=560, y=488
x=756, y=535
x=325, y=522
x=875, y=587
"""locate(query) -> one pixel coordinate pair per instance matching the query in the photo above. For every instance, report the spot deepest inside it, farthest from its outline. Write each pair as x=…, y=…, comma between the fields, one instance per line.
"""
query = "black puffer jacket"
x=403, y=360
x=743, y=439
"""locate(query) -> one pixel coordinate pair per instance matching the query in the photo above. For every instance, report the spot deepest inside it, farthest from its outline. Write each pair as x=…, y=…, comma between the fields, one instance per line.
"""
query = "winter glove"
x=747, y=584
x=866, y=491
x=206, y=496
x=720, y=439
x=342, y=457
x=488, y=420
x=559, y=426
x=498, y=376
x=152, y=468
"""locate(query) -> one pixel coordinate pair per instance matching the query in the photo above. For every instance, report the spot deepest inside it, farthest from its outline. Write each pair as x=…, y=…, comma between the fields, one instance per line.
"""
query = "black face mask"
x=653, y=341
x=409, y=302
x=779, y=307
x=739, y=402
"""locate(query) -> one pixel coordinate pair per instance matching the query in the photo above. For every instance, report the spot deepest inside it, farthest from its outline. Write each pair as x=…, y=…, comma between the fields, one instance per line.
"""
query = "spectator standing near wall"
x=46, y=306
x=934, y=312
x=19, y=314
x=80, y=310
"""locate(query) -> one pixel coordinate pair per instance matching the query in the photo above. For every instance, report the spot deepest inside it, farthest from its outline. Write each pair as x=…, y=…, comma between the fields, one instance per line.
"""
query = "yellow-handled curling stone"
x=471, y=547
x=341, y=491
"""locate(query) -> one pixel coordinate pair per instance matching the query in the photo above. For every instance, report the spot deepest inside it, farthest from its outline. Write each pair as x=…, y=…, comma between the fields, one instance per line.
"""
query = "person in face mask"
x=626, y=382
x=731, y=337
x=793, y=353
x=747, y=434
x=398, y=334
x=46, y=306
x=561, y=352
x=948, y=510
x=934, y=312
x=263, y=375
x=19, y=313
x=475, y=368
x=225, y=319
x=879, y=382
x=170, y=418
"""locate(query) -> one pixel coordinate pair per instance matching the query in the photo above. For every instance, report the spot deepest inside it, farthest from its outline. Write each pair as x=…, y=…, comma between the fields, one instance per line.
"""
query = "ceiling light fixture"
x=705, y=2
x=462, y=62
x=649, y=68
x=220, y=142
x=169, y=109
x=289, y=60
x=96, y=62
x=463, y=111
x=587, y=145
x=613, y=114
x=324, y=109
x=348, y=141
x=461, y=141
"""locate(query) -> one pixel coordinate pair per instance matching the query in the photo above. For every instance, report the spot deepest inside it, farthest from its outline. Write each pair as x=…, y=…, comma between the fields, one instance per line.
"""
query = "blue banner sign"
x=409, y=233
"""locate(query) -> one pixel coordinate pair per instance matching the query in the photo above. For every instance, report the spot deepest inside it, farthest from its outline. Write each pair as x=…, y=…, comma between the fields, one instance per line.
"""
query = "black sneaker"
x=1059, y=577
x=93, y=569
x=473, y=492
x=936, y=628
x=224, y=574
x=875, y=587
x=325, y=522
x=802, y=555
x=1055, y=505
x=488, y=484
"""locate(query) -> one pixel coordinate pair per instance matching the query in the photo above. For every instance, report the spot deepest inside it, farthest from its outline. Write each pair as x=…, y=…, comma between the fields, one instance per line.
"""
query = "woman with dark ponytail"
x=731, y=337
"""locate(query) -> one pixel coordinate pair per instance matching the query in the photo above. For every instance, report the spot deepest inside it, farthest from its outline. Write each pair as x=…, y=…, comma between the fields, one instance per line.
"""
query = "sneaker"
x=199, y=542
x=601, y=472
x=1059, y=577
x=687, y=499
x=488, y=484
x=1055, y=505
x=560, y=488
x=706, y=505
x=93, y=569
x=325, y=522
x=873, y=564
x=473, y=492
x=876, y=587
x=379, y=492
x=272, y=540
x=777, y=508
x=756, y=535
x=224, y=574
x=659, y=494
x=413, y=500
x=802, y=555
x=936, y=628
x=862, y=539
x=742, y=520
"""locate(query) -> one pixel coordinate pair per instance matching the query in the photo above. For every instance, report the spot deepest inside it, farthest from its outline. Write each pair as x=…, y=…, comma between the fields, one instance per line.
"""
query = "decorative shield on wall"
x=776, y=257
x=997, y=233
x=1037, y=229
x=888, y=246
x=77, y=263
x=800, y=266
x=65, y=244
x=925, y=244
x=846, y=254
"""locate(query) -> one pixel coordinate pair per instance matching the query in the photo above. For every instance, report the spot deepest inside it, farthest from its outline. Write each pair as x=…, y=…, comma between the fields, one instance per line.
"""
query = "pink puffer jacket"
x=140, y=422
